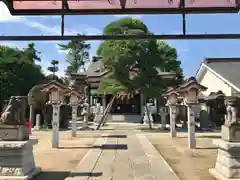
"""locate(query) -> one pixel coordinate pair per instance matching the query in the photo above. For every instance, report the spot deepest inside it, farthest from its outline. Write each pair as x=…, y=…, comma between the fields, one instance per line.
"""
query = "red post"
x=29, y=125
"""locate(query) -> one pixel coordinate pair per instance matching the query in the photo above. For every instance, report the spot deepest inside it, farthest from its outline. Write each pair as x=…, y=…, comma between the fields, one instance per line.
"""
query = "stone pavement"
x=122, y=155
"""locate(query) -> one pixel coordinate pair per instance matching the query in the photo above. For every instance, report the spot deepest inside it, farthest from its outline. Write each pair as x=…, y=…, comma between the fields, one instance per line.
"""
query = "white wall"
x=214, y=84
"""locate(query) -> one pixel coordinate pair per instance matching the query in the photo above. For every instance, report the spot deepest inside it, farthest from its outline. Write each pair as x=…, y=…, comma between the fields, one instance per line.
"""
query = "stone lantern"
x=190, y=91
x=56, y=93
x=75, y=98
x=172, y=99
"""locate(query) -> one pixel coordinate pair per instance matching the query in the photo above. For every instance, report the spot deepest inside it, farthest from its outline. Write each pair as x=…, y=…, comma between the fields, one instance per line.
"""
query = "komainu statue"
x=14, y=114
x=12, y=120
x=232, y=111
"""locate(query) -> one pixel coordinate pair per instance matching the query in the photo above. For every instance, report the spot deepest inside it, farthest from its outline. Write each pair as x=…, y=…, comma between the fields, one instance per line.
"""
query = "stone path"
x=120, y=155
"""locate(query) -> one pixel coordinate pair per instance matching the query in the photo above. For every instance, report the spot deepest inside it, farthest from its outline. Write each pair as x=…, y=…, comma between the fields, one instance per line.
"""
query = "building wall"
x=214, y=84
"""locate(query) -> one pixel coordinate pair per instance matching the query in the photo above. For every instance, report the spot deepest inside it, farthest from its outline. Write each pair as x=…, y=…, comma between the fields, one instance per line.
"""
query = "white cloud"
x=60, y=51
x=5, y=15
x=136, y=16
x=14, y=44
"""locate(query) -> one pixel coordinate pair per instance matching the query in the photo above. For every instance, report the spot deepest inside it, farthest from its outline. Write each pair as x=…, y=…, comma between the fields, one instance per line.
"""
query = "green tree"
x=54, y=68
x=7, y=53
x=77, y=55
x=135, y=64
x=15, y=72
x=30, y=53
x=170, y=62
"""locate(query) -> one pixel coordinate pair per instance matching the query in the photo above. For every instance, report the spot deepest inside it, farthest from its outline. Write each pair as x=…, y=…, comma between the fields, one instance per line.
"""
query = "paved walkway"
x=122, y=155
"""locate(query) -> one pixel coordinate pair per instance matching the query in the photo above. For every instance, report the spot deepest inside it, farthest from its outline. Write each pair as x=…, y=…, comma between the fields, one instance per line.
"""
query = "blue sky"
x=191, y=52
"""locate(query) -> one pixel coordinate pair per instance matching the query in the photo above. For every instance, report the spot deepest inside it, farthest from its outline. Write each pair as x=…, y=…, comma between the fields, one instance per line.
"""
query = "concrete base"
x=31, y=175
x=219, y=176
x=36, y=128
x=228, y=160
x=231, y=134
x=146, y=120
x=123, y=118
x=97, y=118
x=13, y=133
x=17, y=160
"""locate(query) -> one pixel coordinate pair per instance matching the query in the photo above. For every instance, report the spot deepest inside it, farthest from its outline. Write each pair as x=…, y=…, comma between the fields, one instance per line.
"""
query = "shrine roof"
x=105, y=6
x=94, y=70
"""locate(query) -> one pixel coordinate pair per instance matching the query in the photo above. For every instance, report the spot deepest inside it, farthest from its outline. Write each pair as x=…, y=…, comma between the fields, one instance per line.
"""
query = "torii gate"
x=104, y=7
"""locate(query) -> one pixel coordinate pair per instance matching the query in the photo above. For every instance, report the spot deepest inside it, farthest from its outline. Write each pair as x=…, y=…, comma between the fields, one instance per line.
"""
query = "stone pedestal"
x=97, y=118
x=172, y=112
x=191, y=128
x=38, y=120
x=98, y=115
x=163, y=120
x=32, y=113
x=17, y=160
x=74, y=121
x=145, y=118
x=228, y=160
x=13, y=132
x=55, y=125
x=231, y=134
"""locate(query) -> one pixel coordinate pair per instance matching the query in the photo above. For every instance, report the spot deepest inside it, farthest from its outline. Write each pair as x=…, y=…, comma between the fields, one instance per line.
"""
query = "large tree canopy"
x=18, y=73
x=125, y=25
x=77, y=55
x=135, y=64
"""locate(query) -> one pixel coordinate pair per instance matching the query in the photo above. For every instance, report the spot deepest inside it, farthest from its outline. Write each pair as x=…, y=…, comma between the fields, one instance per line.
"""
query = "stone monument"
x=86, y=110
x=98, y=114
x=145, y=117
x=163, y=114
x=228, y=160
x=16, y=149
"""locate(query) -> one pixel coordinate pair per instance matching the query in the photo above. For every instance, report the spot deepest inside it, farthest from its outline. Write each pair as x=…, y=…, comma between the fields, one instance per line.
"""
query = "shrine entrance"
x=128, y=105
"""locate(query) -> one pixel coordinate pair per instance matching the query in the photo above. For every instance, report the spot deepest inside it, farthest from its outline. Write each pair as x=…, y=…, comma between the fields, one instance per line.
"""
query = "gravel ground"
x=187, y=164
x=57, y=163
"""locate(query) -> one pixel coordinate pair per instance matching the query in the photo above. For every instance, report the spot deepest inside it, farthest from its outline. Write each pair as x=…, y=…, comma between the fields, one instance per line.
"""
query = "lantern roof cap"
x=74, y=91
x=56, y=84
x=215, y=95
x=191, y=82
x=170, y=91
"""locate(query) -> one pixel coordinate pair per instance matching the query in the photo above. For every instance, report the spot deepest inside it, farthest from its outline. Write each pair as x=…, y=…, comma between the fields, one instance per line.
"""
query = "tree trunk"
x=106, y=112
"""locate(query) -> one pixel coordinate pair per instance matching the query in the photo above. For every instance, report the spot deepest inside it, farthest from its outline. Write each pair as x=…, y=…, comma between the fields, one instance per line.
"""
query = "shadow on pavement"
x=88, y=174
x=113, y=146
x=114, y=136
x=61, y=175
x=52, y=175
x=206, y=148
x=103, y=147
x=211, y=136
